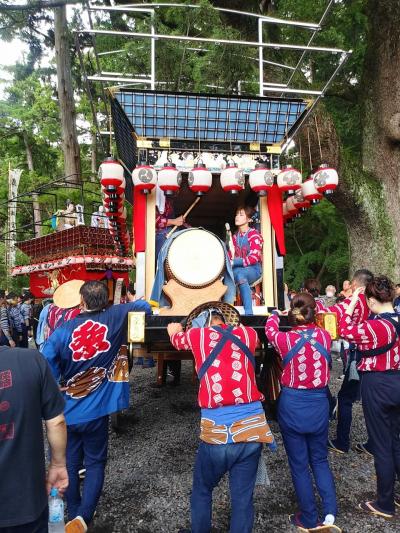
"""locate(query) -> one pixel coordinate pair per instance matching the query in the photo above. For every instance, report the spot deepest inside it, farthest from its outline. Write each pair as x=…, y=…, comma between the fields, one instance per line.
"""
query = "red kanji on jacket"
x=369, y=335
x=88, y=340
x=231, y=378
x=307, y=370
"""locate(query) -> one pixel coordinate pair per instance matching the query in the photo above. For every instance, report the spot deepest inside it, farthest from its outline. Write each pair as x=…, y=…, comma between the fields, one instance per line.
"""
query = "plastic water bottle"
x=56, y=512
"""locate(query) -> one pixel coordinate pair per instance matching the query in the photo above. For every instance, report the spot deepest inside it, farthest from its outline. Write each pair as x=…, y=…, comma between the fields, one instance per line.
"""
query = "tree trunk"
x=369, y=194
x=70, y=146
x=37, y=217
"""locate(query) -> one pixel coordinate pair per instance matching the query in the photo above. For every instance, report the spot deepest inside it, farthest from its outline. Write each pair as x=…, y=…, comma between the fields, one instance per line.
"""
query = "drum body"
x=196, y=258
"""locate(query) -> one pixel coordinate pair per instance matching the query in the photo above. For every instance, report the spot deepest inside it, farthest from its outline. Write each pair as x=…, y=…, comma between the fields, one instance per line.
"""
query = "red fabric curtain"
x=139, y=220
x=274, y=201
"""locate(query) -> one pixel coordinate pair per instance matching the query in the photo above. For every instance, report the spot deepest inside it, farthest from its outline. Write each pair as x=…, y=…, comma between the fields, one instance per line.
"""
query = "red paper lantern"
x=326, y=179
x=289, y=179
x=200, y=179
x=169, y=179
x=144, y=178
x=261, y=179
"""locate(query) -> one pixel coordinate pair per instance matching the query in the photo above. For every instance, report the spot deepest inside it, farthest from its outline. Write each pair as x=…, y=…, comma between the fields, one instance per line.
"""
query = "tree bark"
x=70, y=146
x=368, y=195
x=37, y=217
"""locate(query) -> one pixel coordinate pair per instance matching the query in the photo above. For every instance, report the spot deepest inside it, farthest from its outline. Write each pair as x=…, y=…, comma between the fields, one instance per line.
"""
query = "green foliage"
x=317, y=247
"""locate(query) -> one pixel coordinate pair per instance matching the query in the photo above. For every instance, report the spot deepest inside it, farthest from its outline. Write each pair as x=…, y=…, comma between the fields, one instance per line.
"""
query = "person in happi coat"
x=377, y=342
x=233, y=425
x=84, y=356
x=247, y=261
x=303, y=410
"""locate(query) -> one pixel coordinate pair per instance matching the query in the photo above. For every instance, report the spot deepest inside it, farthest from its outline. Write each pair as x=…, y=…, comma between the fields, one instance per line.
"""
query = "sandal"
x=360, y=448
x=369, y=507
x=295, y=521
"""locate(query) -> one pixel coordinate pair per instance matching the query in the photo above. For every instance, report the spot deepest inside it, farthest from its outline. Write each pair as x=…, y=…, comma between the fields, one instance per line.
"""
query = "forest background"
x=359, y=119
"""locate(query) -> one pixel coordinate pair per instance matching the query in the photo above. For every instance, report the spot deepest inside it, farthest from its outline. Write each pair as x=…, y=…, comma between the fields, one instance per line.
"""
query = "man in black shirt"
x=28, y=395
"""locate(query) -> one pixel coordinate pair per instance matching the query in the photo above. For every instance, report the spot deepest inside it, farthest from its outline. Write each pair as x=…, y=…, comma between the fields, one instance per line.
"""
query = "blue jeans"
x=380, y=392
x=348, y=394
x=303, y=417
x=244, y=277
x=86, y=446
x=40, y=525
x=212, y=462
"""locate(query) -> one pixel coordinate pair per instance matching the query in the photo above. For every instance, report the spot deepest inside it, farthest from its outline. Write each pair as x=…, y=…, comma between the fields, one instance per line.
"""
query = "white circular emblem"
x=302, y=367
x=239, y=400
x=234, y=347
x=316, y=356
x=214, y=336
x=317, y=373
x=217, y=388
x=236, y=365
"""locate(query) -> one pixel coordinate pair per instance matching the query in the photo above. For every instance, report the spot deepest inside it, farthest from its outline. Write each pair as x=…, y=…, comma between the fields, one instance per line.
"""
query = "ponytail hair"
x=302, y=310
x=381, y=288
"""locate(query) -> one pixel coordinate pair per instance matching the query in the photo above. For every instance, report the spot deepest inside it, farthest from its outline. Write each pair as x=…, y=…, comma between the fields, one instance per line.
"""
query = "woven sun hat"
x=230, y=315
x=67, y=295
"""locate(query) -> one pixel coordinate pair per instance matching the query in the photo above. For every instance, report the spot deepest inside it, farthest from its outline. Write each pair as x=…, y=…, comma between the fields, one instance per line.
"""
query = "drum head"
x=196, y=258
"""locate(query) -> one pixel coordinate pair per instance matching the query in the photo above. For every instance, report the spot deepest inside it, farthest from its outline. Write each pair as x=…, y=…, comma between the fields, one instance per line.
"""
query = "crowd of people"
x=81, y=376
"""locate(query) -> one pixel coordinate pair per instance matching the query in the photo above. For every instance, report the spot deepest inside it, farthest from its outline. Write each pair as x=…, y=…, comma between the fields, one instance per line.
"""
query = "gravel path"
x=148, y=477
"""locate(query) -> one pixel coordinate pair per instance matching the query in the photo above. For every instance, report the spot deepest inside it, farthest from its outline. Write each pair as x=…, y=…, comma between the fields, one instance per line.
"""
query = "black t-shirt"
x=28, y=394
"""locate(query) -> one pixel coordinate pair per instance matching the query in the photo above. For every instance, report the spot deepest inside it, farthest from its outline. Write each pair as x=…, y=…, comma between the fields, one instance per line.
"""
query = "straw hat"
x=230, y=314
x=67, y=295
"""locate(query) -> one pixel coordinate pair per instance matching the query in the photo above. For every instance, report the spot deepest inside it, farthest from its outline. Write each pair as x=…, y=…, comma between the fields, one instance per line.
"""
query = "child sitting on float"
x=247, y=242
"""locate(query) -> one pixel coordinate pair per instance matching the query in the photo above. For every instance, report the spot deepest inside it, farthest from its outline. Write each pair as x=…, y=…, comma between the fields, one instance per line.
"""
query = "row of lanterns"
x=261, y=179
x=112, y=180
x=323, y=181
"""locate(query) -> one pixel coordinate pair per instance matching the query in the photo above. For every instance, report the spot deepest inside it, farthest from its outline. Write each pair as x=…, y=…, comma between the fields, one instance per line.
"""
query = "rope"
x=309, y=147
x=318, y=137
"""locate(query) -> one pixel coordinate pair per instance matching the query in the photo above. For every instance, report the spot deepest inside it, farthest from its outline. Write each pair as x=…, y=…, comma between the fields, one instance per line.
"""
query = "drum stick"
x=230, y=244
x=184, y=216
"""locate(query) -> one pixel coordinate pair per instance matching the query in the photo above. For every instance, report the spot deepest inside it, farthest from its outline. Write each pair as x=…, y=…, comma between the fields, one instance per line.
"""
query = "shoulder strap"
x=383, y=349
x=214, y=354
x=236, y=340
x=306, y=337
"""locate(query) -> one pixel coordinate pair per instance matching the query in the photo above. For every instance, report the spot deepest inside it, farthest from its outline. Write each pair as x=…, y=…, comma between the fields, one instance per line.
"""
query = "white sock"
x=329, y=520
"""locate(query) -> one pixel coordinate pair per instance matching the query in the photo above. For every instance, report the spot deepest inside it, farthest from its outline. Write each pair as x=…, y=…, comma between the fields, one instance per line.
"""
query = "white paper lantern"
x=299, y=201
x=292, y=209
x=289, y=179
x=310, y=192
x=111, y=174
x=232, y=179
x=169, y=179
x=261, y=179
x=200, y=179
x=326, y=179
x=144, y=178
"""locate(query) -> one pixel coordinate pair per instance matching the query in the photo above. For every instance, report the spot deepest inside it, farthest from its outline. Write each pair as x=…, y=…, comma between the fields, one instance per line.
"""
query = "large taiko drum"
x=196, y=258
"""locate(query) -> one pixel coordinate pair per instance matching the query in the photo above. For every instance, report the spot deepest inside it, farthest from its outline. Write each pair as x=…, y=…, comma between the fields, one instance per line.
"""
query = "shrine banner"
x=274, y=201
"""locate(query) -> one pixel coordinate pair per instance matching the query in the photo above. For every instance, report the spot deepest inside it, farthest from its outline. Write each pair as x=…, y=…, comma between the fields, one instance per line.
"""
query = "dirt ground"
x=149, y=471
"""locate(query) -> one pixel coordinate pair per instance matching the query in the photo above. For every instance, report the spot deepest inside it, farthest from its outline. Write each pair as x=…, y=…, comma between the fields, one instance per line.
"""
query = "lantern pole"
x=268, y=255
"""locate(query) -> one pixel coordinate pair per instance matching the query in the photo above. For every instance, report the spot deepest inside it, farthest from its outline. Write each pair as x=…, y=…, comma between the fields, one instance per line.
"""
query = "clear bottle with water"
x=56, y=512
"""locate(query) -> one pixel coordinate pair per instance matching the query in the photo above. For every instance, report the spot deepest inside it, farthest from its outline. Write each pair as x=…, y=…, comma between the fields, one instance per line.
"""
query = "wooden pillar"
x=269, y=272
x=150, y=242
